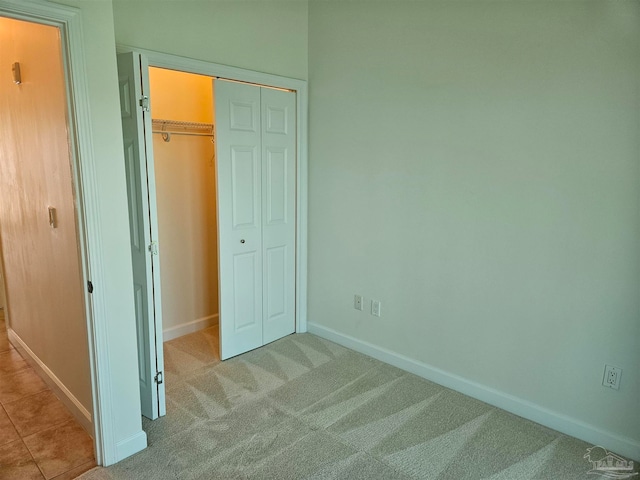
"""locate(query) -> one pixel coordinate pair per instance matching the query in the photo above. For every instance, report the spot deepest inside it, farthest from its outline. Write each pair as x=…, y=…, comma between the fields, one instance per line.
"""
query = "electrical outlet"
x=611, y=377
x=358, y=302
x=375, y=308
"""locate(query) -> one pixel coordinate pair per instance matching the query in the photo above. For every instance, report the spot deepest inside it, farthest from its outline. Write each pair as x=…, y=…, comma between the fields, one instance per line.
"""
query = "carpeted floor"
x=306, y=408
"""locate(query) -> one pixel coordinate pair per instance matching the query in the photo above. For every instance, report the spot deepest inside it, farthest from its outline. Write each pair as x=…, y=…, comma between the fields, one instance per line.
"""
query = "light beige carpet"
x=306, y=408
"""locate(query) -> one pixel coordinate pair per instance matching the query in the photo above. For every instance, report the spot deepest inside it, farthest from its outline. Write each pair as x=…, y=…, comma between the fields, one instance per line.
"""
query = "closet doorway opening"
x=215, y=176
x=182, y=112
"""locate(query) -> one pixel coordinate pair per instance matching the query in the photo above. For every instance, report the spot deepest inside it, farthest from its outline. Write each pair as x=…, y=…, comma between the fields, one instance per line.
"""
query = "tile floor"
x=39, y=439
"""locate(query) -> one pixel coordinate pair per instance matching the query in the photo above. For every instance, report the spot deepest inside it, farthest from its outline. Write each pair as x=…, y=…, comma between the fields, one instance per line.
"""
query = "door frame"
x=85, y=183
x=215, y=70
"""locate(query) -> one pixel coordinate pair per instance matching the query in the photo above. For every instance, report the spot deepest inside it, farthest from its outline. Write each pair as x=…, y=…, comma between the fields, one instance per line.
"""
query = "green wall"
x=265, y=36
x=475, y=166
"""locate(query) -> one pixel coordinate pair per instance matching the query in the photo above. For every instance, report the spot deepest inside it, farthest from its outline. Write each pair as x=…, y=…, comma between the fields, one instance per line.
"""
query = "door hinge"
x=90, y=286
x=144, y=103
x=158, y=378
x=153, y=248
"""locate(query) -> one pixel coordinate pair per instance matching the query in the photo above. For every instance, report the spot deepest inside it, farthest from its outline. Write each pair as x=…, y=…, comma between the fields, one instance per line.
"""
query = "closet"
x=257, y=199
x=211, y=186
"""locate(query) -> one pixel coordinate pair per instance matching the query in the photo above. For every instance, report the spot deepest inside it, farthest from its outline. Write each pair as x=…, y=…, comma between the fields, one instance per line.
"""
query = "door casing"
x=173, y=62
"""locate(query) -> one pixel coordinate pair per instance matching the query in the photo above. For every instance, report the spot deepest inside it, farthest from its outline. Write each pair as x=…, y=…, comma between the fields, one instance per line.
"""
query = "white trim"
x=184, y=64
x=62, y=392
x=301, y=210
x=175, y=62
x=576, y=428
x=127, y=447
x=189, y=327
x=69, y=21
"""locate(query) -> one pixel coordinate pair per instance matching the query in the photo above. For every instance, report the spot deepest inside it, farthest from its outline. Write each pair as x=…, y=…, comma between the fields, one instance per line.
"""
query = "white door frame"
x=69, y=22
x=175, y=62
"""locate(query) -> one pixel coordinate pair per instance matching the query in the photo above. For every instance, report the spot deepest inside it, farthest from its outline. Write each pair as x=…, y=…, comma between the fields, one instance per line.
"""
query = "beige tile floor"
x=39, y=439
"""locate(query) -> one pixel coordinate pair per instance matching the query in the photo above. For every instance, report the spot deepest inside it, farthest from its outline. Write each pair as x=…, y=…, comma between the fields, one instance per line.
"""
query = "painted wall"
x=113, y=292
x=180, y=96
x=42, y=264
x=186, y=201
x=475, y=166
x=265, y=36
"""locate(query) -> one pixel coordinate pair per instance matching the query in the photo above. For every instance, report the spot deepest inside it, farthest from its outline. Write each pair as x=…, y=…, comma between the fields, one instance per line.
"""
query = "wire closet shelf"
x=166, y=128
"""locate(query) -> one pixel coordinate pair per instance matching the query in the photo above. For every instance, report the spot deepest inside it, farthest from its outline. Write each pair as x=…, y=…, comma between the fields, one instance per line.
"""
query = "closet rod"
x=183, y=133
x=166, y=128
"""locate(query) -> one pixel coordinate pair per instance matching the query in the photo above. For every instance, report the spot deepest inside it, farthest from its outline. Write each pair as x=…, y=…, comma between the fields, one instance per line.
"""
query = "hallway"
x=39, y=438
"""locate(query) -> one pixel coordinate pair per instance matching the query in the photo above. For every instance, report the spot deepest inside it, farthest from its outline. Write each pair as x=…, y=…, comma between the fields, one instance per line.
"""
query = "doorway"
x=247, y=190
x=182, y=110
x=42, y=252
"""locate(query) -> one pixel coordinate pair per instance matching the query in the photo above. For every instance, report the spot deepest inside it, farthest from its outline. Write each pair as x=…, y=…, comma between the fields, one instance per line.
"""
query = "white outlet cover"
x=611, y=378
x=375, y=308
x=358, y=302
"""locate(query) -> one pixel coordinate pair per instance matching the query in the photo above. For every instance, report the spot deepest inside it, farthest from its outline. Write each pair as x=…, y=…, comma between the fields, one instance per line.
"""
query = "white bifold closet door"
x=133, y=76
x=256, y=148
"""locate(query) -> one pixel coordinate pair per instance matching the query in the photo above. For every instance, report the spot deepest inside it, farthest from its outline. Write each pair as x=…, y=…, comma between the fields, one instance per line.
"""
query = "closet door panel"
x=245, y=185
x=276, y=185
x=276, y=269
x=239, y=216
x=278, y=206
x=245, y=285
x=133, y=83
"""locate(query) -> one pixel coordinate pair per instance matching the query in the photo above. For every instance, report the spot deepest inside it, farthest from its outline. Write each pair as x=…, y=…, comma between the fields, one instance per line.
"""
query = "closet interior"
x=182, y=109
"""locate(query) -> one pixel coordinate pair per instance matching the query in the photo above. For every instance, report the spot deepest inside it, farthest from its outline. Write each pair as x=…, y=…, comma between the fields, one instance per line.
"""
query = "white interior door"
x=256, y=136
x=278, y=110
x=136, y=121
x=239, y=173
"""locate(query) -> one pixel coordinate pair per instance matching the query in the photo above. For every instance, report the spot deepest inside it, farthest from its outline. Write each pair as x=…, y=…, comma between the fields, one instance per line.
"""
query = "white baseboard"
x=129, y=446
x=189, y=327
x=576, y=428
x=81, y=414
